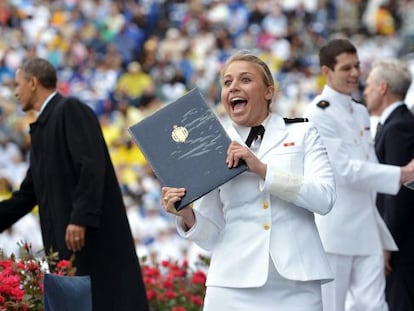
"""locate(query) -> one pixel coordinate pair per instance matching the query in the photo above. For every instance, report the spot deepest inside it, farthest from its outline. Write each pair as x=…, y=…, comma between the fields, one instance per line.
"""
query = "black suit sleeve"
x=21, y=203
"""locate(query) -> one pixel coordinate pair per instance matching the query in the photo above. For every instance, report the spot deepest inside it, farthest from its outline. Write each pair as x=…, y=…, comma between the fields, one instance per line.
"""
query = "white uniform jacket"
x=248, y=221
x=354, y=226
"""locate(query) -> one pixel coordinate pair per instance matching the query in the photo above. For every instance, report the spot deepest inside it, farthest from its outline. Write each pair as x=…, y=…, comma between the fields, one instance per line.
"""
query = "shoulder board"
x=323, y=104
x=295, y=120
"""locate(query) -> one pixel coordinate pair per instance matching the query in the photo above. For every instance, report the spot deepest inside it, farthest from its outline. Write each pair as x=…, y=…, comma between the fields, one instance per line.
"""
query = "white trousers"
x=361, y=279
x=278, y=294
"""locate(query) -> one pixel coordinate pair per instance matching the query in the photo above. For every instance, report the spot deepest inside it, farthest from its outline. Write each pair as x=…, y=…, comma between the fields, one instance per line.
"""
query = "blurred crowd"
x=126, y=59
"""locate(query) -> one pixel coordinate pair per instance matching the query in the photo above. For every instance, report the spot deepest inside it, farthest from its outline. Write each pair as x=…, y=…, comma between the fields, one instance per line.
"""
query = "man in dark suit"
x=386, y=88
x=72, y=180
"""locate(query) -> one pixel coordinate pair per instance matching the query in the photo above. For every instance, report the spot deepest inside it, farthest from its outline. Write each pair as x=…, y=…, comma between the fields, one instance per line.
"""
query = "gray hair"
x=394, y=73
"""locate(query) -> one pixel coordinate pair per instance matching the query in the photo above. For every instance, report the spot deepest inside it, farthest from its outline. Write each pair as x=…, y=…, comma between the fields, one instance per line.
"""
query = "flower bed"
x=21, y=278
x=174, y=287
x=170, y=286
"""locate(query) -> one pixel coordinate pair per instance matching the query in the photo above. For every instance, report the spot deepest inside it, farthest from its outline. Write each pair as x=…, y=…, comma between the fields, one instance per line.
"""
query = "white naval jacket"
x=354, y=226
x=247, y=221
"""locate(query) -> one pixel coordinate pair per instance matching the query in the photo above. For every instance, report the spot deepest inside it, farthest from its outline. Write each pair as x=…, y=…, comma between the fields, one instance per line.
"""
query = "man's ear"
x=383, y=87
x=325, y=70
x=33, y=81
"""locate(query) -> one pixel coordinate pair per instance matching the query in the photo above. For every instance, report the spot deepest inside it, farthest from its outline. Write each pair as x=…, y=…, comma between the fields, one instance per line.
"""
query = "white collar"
x=46, y=102
x=244, y=130
x=387, y=112
x=342, y=99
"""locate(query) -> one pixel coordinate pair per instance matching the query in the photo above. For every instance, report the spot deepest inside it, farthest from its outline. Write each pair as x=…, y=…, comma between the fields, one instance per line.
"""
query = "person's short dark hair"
x=329, y=52
x=42, y=70
x=146, y=99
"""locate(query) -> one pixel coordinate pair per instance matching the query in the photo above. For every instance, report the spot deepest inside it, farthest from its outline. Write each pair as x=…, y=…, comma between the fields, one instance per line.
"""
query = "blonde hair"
x=246, y=56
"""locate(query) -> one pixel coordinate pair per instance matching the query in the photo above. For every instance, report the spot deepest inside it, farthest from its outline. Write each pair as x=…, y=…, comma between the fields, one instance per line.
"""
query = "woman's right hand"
x=172, y=195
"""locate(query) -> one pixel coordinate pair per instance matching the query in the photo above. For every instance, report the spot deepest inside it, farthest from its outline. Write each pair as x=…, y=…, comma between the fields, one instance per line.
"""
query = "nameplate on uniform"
x=295, y=120
x=186, y=146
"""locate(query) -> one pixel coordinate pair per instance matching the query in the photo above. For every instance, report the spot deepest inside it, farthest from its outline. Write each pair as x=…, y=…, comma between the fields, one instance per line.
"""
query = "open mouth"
x=238, y=104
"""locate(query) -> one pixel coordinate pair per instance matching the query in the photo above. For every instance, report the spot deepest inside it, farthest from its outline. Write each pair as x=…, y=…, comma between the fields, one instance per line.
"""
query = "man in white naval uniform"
x=353, y=233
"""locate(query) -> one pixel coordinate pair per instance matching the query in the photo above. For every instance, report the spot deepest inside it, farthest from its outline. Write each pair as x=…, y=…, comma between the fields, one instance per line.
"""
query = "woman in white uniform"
x=259, y=227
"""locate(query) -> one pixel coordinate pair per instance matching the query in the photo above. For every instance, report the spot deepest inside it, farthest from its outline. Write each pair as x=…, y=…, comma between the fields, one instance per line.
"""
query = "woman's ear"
x=270, y=91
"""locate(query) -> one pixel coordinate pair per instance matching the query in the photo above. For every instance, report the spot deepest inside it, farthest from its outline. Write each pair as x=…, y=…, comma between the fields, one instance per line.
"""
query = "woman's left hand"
x=236, y=153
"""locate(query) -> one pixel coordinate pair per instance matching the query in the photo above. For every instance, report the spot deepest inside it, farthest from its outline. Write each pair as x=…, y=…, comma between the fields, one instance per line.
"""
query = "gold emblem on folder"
x=179, y=134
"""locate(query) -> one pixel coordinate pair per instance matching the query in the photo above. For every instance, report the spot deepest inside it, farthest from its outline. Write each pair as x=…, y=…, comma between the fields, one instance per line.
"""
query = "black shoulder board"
x=323, y=104
x=295, y=120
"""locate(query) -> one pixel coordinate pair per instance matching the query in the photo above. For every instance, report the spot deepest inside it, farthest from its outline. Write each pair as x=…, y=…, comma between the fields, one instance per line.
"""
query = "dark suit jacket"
x=395, y=145
x=72, y=179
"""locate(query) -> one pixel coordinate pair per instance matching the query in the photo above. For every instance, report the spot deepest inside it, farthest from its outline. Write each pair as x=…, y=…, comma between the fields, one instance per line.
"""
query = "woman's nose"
x=234, y=86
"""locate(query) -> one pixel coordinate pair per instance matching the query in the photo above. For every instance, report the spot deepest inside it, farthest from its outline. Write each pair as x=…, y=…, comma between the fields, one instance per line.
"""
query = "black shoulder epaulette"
x=323, y=104
x=295, y=120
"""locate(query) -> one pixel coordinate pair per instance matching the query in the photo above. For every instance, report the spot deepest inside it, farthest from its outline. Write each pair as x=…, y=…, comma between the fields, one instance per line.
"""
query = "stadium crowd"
x=126, y=59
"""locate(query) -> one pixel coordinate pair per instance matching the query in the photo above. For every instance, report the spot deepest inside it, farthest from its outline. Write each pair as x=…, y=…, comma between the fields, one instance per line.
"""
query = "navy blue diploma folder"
x=410, y=185
x=67, y=293
x=186, y=146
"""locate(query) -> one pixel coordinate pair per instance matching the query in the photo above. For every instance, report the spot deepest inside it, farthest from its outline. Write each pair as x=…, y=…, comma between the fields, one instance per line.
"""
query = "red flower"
x=151, y=294
x=165, y=263
x=151, y=271
x=17, y=293
x=168, y=283
x=64, y=264
x=197, y=300
x=31, y=265
x=170, y=294
x=185, y=264
x=6, y=264
x=199, y=277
